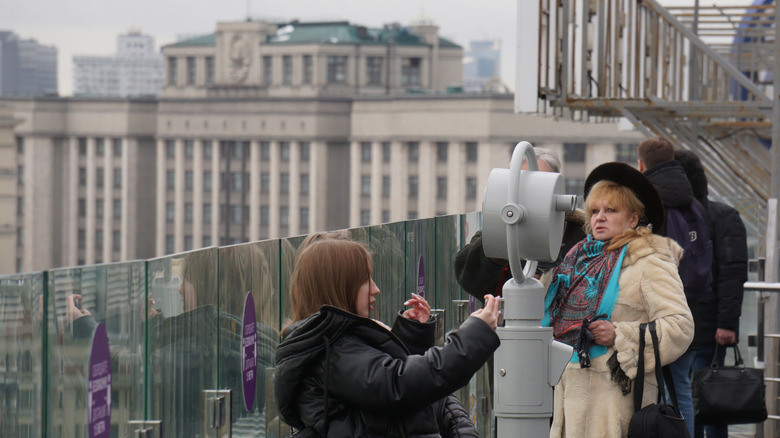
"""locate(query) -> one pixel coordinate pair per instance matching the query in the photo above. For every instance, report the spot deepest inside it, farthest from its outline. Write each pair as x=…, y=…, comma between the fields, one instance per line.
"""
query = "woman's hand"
x=150, y=310
x=603, y=332
x=72, y=312
x=489, y=313
x=420, y=311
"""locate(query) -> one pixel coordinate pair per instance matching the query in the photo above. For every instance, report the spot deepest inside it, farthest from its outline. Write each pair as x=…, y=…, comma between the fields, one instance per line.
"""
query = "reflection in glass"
x=242, y=269
x=183, y=328
x=21, y=358
x=79, y=300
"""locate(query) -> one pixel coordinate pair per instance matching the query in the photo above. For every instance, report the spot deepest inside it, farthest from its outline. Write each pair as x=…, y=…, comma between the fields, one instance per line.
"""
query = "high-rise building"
x=272, y=130
x=8, y=193
x=27, y=69
x=135, y=70
x=481, y=64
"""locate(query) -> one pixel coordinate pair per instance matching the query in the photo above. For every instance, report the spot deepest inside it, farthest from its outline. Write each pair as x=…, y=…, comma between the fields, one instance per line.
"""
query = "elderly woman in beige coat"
x=620, y=276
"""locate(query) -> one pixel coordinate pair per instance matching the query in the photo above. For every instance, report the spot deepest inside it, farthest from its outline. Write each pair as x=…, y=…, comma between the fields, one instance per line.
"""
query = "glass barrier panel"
x=252, y=267
x=123, y=315
x=288, y=249
x=69, y=348
x=420, y=260
x=446, y=245
x=182, y=332
x=479, y=400
x=388, y=253
x=79, y=299
x=21, y=355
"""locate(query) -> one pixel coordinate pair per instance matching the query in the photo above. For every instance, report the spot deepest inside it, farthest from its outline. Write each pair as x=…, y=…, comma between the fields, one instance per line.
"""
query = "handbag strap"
x=639, y=382
x=737, y=356
x=662, y=374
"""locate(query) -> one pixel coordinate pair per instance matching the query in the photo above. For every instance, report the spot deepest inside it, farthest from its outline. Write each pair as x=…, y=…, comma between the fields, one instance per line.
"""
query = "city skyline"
x=90, y=27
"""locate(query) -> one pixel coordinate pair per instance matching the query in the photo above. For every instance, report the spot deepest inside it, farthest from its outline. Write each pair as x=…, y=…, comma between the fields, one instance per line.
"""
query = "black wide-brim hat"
x=627, y=176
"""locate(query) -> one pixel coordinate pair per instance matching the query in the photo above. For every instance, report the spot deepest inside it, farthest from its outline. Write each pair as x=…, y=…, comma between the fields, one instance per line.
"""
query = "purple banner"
x=99, y=386
x=249, y=351
x=421, y=277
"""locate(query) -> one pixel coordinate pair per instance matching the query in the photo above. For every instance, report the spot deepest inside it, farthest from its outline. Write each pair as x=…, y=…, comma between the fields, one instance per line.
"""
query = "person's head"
x=694, y=171
x=323, y=235
x=199, y=278
x=654, y=151
x=547, y=160
x=238, y=269
x=334, y=272
x=611, y=209
x=621, y=204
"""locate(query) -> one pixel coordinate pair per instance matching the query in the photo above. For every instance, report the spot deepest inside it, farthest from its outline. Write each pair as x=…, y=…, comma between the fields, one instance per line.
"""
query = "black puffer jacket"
x=343, y=375
x=479, y=275
x=672, y=183
x=723, y=307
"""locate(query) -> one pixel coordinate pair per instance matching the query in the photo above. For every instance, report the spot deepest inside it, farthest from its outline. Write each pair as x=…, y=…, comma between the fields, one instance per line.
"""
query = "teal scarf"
x=584, y=285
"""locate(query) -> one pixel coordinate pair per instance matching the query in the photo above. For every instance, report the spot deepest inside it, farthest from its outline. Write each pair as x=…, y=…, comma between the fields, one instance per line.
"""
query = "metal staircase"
x=701, y=78
x=604, y=59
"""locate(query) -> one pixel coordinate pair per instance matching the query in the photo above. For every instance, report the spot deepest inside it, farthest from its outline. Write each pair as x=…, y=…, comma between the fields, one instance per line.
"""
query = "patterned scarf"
x=583, y=285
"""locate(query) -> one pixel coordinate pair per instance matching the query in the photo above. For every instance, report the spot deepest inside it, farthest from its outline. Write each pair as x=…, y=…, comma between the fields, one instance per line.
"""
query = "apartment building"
x=267, y=130
x=135, y=70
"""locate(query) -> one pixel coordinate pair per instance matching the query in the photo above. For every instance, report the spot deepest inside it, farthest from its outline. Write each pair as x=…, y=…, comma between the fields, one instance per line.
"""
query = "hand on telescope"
x=489, y=313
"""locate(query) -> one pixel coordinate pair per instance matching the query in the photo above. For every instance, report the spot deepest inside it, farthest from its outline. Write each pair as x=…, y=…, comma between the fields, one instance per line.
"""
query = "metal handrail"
x=763, y=287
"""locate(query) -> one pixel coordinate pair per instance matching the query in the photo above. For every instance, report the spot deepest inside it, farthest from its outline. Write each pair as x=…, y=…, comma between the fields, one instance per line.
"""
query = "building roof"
x=202, y=40
x=342, y=32
x=332, y=32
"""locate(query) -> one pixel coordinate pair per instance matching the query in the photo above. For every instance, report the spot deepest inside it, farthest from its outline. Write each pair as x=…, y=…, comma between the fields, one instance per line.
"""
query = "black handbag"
x=729, y=395
x=659, y=420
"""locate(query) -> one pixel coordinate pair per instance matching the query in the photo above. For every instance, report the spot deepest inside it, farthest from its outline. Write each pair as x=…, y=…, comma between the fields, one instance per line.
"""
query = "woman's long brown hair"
x=329, y=272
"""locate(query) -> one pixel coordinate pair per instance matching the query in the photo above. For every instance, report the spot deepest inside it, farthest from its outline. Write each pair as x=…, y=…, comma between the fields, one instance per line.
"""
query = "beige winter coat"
x=588, y=403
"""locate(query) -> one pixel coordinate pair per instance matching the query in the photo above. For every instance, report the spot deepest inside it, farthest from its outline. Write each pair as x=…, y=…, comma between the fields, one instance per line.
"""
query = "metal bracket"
x=216, y=413
x=145, y=428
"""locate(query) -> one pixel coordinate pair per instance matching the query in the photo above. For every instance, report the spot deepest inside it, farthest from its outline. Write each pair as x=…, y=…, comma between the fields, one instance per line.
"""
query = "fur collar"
x=649, y=244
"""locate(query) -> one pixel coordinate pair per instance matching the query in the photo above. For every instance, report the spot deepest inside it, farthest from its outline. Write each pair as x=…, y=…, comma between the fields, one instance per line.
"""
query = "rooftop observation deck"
x=165, y=348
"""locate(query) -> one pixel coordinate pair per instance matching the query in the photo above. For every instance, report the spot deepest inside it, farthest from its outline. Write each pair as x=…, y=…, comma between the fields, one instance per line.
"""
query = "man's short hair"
x=549, y=157
x=654, y=151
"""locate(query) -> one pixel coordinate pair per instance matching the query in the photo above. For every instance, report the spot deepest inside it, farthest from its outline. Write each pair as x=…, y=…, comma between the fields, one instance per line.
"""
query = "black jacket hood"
x=672, y=183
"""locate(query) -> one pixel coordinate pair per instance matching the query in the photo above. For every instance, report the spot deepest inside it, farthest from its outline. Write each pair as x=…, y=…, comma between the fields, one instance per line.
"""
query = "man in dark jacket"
x=656, y=160
x=479, y=275
x=719, y=312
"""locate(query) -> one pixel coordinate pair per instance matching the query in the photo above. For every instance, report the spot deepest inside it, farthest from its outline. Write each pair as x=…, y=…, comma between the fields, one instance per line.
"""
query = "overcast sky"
x=90, y=27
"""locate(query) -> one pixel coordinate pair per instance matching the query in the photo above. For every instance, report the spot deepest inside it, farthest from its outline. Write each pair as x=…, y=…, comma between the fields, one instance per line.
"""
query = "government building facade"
x=266, y=130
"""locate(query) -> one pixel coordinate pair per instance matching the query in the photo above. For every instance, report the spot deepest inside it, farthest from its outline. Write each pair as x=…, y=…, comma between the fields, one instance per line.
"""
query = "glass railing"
x=177, y=325
x=176, y=329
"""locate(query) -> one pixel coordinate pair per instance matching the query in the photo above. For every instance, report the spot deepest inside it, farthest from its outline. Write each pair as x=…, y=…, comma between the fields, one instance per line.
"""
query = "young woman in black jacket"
x=340, y=373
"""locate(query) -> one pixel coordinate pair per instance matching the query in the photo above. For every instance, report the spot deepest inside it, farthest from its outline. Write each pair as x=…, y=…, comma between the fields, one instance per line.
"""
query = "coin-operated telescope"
x=522, y=219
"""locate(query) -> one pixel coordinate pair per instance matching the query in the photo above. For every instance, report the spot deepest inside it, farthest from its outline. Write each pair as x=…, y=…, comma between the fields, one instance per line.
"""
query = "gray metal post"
x=771, y=269
x=523, y=220
x=774, y=187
